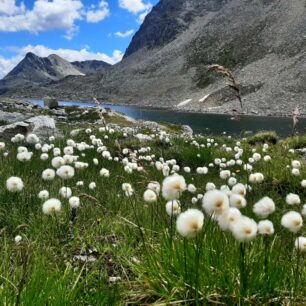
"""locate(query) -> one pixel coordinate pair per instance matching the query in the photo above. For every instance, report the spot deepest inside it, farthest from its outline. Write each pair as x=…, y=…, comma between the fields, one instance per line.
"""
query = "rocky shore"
x=21, y=116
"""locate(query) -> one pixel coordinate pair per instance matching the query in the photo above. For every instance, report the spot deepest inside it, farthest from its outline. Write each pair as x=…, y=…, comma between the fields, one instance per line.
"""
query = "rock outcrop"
x=42, y=126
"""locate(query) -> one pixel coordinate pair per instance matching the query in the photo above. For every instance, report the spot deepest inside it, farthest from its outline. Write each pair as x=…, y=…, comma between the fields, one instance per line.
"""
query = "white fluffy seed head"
x=296, y=164
x=245, y=229
x=149, y=196
x=238, y=201
x=292, y=221
x=155, y=186
x=104, y=172
x=264, y=207
x=293, y=199
x=57, y=162
x=74, y=202
x=191, y=188
x=173, y=187
x=295, y=171
x=300, y=243
x=229, y=218
x=265, y=227
x=210, y=186
x=51, y=206
x=65, y=172
x=303, y=183
x=215, y=202
x=239, y=189
x=18, y=239
x=48, y=175
x=65, y=192
x=43, y=195
x=190, y=222
x=173, y=208
x=256, y=178
x=14, y=184
x=225, y=174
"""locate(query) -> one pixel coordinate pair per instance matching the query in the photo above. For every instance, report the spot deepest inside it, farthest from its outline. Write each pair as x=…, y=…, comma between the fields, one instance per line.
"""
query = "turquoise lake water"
x=202, y=123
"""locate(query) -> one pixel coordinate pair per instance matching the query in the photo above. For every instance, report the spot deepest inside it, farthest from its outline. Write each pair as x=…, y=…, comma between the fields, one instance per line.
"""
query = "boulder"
x=50, y=102
x=11, y=117
x=187, y=130
x=42, y=126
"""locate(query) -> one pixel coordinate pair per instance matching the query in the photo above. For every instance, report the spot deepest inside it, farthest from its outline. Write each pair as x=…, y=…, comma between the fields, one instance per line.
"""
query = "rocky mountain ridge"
x=166, y=64
x=34, y=70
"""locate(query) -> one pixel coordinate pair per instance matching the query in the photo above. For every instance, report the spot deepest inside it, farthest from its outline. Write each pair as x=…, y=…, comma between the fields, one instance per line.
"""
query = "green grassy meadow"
x=121, y=250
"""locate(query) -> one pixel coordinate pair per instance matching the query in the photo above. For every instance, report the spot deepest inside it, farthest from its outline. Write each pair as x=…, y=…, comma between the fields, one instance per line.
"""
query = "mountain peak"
x=31, y=55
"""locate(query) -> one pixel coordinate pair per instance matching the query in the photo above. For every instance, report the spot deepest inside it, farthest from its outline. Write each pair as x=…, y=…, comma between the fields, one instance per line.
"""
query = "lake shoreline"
x=177, y=110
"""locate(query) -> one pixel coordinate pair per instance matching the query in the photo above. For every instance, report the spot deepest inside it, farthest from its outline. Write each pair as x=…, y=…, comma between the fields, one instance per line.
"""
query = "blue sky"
x=73, y=29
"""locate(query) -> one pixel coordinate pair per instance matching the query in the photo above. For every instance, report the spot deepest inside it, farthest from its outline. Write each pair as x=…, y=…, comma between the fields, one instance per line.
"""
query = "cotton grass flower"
x=191, y=188
x=245, y=229
x=265, y=227
x=155, y=186
x=173, y=187
x=303, y=183
x=293, y=199
x=173, y=208
x=300, y=243
x=92, y=185
x=14, y=184
x=127, y=189
x=215, y=202
x=229, y=218
x=24, y=156
x=74, y=202
x=32, y=138
x=292, y=220
x=149, y=196
x=57, y=162
x=18, y=239
x=225, y=174
x=48, y=175
x=51, y=206
x=239, y=189
x=232, y=181
x=43, y=195
x=104, y=172
x=238, y=201
x=264, y=207
x=65, y=172
x=65, y=192
x=190, y=222
x=256, y=178
x=296, y=164
x=210, y=186
x=295, y=172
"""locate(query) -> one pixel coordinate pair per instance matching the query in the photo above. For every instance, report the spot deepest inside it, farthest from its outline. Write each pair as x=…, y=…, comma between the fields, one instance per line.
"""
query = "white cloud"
x=9, y=7
x=96, y=15
x=134, y=6
x=124, y=34
x=49, y=15
x=45, y=15
x=7, y=64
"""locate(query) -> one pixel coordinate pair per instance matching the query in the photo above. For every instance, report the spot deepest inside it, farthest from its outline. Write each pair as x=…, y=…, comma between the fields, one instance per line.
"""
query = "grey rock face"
x=187, y=130
x=91, y=67
x=11, y=117
x=42, y=126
